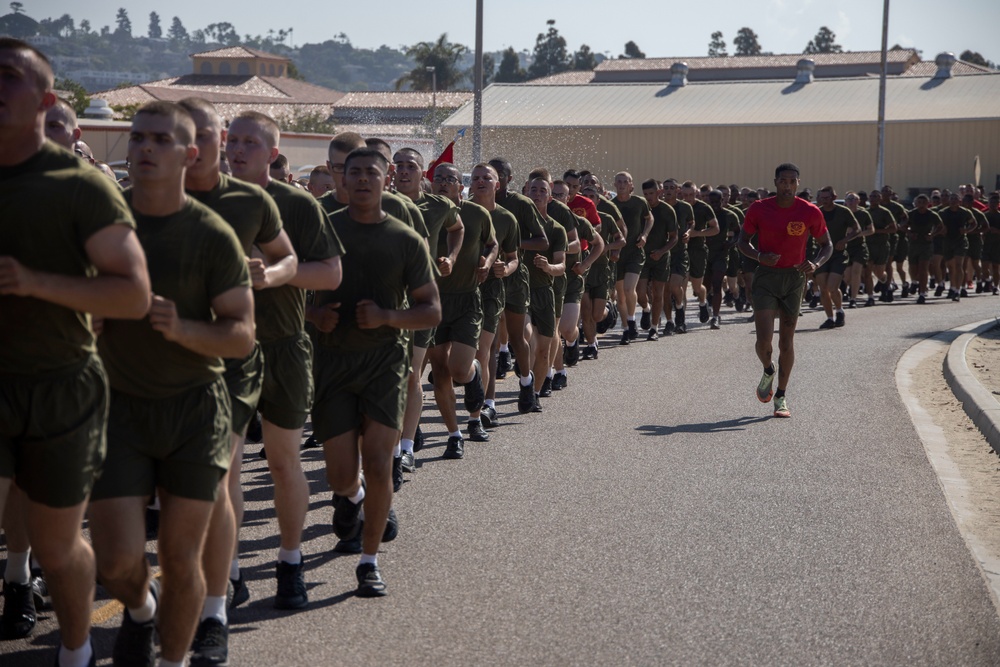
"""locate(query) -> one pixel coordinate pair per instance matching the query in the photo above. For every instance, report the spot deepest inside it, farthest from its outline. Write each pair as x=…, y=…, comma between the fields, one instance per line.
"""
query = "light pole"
x=434, y=88
x=477, y=103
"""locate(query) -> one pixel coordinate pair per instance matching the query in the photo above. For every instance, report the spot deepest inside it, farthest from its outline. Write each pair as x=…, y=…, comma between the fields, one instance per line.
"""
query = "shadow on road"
x=704, y=427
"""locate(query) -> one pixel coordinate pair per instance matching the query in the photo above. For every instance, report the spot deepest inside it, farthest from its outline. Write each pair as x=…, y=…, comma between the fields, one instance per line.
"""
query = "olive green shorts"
x=244, y=379
x=558, y=294
x=902, y=249
x=775, y=289
x=574, y=287
x=461, y=319
x=52, y=432
x=893, y=241
x=630, y=261
x=180, y=444
x=733, y=263
x=920, y=251
x=423, y=338
x=543, y=310
x=658, y=269
x=878, y=253
x=857, y=253
x=680, y=262
x=352, y=385
x=516, y=291
x=952, y=248
x=837, y=263
x=598, y=279
x=697, y=262
x=492, y=294
x=975, y=246
x=991, y=249
x=287, y=393
x=717, y=262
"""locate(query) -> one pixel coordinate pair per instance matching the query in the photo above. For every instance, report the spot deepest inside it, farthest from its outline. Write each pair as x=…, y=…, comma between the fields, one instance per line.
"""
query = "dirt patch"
x=983, y=357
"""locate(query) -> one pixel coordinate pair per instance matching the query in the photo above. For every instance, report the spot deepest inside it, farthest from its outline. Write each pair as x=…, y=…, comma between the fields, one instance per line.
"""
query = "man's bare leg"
x=291, y=491
x=221, y=540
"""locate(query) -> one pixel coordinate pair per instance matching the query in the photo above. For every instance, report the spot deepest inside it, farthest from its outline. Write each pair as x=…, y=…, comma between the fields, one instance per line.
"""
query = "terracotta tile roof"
x=927, y=68
x=447, y=99
x=749, y=62
x=238, y=52
x=566, y=79
x=382, y=130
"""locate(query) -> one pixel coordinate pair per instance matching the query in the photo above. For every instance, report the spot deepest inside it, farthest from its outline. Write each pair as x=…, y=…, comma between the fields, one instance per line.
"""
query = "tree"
x=825, y=41
x=315, y=122
x=155, y=31
x=78, y=97
x=85, y=27
x=17, y=7
x=717, y=47
x=550, y=55
x=489, y=69
x=443, y=56
x=632, y=50
x=746, y=43
x=976, y=58
x=510, y=70
x=124, y=28
x=583, y=59
x=178, y=32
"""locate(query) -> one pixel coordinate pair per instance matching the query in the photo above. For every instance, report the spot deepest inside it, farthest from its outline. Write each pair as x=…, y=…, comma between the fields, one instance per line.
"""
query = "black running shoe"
x=852, y=304
x=370, y=583
x=703, y=313
x=397, y=473
x=237, y=592
x=537, y=406
x=19, y=614
x=587, y=353
x=407, y=462
x=346, y=516
x=955, y=296
x=727, y=299
x=940, y=290
x=644, y=321
x=291, y=586
x=135, y=644
x=504, y=365
x=870, y=302
x=829, y=324
x=905, y=292
x=391, y=530
x=526, y=395
x=814, y=301
x=489, y=417
x=593, y=352
x=559, y=381
x=633, y=331
x=922, y=299
x=979, y=287
x=311, y=443
x=474, y=392
x=573, y=354
x=476, y=431
x=625, y=338
x=418, y=440
x=964, y=293
x=681, y=328
x=840, y=320
x=715, y=322
x=255, y=431
x=210, y=647
x=668, y=328
x=39, y=589
x=351, y=546
x=652, y=335
x=455, y=449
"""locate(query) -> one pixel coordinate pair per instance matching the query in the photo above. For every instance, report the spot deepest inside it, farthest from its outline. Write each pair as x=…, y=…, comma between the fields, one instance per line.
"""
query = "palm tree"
x=443, y=56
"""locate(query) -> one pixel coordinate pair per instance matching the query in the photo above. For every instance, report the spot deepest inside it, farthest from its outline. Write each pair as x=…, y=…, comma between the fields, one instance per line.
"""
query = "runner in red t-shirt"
x=781, y=224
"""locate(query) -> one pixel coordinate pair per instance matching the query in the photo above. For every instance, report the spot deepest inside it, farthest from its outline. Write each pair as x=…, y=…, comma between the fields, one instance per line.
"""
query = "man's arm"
x=573, y=242
x=596, y=249
x=230, y=335
x=456, y=235
x=323, y=274
x=120, y=289
x=825, y=252
x=424, y=311
x=647, y=228
x=279, y=266
x=486, y=261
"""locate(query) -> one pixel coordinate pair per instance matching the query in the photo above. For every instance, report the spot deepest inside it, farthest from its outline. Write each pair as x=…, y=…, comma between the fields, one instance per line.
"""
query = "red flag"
x=447, y=155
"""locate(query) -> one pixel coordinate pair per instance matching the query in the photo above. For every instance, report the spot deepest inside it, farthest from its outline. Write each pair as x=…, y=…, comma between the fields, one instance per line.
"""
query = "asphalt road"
x=654, y=513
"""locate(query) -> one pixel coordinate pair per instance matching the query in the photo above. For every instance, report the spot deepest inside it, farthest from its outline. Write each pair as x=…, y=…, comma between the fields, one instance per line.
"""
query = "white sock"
x=18, y=567
x=491, y=403
x=632, y=319
x=526, y=380
x=561, y=372
x=550, y=373
x=77, y=657
x=840, y=311
x=215, y=607
x=359, y=496
x=234, y=569
x=455, y=434
x=146, y=612
x=504, y=348
x=290, y=556
x=366, y=559
x=398, y=451
x=645, y=310
x=406, y=445
x=171, y=663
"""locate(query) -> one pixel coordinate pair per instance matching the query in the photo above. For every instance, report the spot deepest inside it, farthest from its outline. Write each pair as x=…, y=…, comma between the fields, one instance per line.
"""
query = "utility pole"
x=880, y=157
x=477, y=102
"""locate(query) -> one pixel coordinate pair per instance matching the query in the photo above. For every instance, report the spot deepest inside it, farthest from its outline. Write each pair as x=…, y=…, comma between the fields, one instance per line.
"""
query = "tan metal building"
x=738, y=131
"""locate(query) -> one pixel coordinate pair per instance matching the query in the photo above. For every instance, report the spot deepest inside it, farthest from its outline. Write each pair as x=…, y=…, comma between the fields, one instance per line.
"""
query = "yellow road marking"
x=109, y=610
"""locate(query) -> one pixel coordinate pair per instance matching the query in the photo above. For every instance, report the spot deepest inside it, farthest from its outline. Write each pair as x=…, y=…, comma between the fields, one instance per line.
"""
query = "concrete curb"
x=981, y=406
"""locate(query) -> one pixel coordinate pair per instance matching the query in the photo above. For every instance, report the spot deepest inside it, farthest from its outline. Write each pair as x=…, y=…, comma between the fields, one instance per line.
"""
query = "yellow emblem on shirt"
x=796, y=228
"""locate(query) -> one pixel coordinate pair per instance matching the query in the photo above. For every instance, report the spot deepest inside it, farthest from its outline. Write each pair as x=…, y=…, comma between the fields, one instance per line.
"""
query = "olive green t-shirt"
x=838, y=221
x=664, y=222
x=605, y=205
x=557, y=242
x=440, y=213
x=922, y=224
x=397, y=206
x=881, y=218
x=954, y=222
x=529, y=220
x=702, y=214
x=464, y=276
x=50, y=205
x=608, y=231
x=506, y=231
x=193, y=257
x=729, y=226
x=634, y=212
x=383, y=262
x=864, y=221
x=685, y=221
x=281, y=311
x=249, y=210
x=562, y=214
x=898, y=212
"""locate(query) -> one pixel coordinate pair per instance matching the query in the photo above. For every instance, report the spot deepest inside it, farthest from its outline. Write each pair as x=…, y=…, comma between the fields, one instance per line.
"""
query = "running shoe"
x=237, y=592
x=526, y=395
x=476, y=431
x=964, y=293
x=19, y=613
x=703, y=313
x=922, y=299
x=546, y=388
x=474, y=392
x=668, y=328
x=291, y=586
x=829, y=324
x=781, y=407
x=135, y=643
x=644, y=321
x=504, y=364
x=652, y=335
x=765, y=388
x=625, y=338
x=681, y=328
x=714, y=323
x=840, y=320
x=407, y=462
x=346, y=516
x=537, y=405
x=633, y=332
x=488, y=417
x=391, y=530
x=210, y=647
x=940, y=289
x=559, y=381
x=455, y=449
x=418, y=440
x=370, y=583
x=397, y=473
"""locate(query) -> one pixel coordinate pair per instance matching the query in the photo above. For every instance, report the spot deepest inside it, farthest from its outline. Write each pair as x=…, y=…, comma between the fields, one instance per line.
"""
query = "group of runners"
x=142, y=332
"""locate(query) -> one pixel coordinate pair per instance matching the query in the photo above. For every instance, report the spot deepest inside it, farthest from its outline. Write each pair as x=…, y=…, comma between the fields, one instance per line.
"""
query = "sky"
x=663, y=28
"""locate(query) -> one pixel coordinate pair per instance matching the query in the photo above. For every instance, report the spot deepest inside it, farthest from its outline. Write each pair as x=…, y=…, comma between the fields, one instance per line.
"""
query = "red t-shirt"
x=783, y=230
x=585, y=208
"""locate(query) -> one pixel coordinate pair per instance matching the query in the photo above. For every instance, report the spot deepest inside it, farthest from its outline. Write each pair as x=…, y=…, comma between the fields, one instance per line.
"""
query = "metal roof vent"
x=678, y=74
x=99, y=109
x=944, y=61
x=806, y=67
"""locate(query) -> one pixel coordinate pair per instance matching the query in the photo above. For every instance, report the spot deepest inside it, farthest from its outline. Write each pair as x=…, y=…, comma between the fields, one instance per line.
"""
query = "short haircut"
x=669, y=181
x=41, y=69
x=68, y=112
x=319, y=170
x=486, y=165
x=571, y=173
x=586, y=172
x=366, y=152
x=447, y=165
x=345, y=142
x=689, y=184
x=921, y=196
x=503, y=167
x=715, y=193
x=559, y=181
x=180, y=116
x=280, y=162
x=413, y=154
x=786, y=166
x=267, y=125
x=540, y=172
x=193, y=104
x=380, y=145
x=829, y=188
x=650, y=184
x=705, y=188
